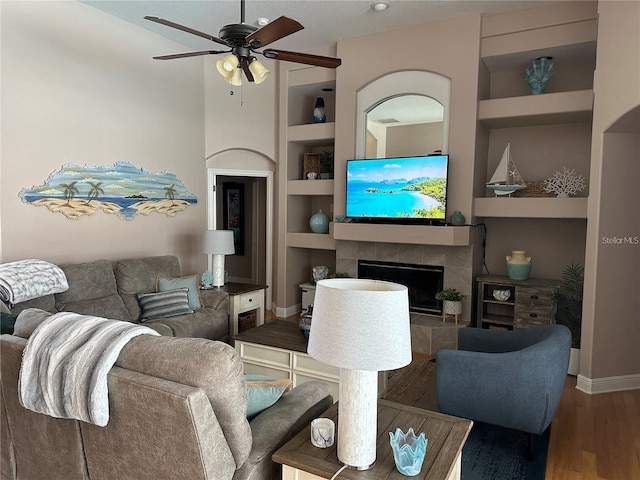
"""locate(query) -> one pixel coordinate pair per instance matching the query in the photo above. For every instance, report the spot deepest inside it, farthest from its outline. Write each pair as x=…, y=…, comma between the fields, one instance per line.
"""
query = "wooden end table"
x=244, y=297
x=446, y=434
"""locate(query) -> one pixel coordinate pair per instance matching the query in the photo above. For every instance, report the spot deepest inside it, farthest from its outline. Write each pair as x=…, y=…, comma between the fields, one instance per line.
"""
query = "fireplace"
x=423, y=282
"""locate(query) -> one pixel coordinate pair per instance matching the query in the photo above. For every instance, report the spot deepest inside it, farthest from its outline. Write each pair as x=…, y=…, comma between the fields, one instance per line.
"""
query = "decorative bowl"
x=408, y=451
x=501, y=295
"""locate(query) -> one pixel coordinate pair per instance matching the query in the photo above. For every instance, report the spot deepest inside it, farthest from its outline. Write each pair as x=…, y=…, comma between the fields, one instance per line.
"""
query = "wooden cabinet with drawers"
x=505, y=304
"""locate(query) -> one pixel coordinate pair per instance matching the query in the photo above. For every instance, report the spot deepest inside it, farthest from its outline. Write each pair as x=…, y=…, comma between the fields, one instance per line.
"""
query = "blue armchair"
x=512, y=379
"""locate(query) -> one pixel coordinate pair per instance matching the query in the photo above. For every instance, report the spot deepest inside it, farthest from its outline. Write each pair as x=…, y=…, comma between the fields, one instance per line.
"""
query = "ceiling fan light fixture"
x=226, y=74
x=260, y=72
x=236, y=78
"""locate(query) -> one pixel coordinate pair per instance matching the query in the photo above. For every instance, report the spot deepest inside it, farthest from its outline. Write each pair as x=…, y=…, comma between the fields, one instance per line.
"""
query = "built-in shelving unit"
x=547, y=131
x=300, y=197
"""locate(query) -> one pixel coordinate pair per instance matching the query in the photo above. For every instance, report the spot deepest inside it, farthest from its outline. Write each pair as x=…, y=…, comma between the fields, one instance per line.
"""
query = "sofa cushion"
x=164, y=304
x=138, y=275
x=92, y=291
x=191, y=283
x=263, y=391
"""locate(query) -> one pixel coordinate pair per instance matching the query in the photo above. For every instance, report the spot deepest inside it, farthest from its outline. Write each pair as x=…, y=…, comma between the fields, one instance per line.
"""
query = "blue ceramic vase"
x=318, y=111
x=319, y=222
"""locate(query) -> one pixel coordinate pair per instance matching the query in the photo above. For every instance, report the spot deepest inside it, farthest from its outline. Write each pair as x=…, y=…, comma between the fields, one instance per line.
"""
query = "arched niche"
x=415, y=92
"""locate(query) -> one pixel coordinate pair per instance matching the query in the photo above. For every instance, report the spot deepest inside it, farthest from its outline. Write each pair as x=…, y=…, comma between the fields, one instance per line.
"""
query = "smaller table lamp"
x=218, y=243
x=362, y=327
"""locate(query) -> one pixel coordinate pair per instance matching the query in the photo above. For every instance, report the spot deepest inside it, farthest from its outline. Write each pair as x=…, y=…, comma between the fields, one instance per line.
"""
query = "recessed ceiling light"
x=262, y=21
x=380, y=6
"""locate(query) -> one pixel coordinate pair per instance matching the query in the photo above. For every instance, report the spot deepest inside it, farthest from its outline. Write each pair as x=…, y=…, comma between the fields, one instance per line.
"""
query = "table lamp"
x=218, y=243
x=362, y=327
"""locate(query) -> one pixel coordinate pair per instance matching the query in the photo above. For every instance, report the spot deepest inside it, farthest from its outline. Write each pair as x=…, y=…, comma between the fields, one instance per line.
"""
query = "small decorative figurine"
x=207, y=279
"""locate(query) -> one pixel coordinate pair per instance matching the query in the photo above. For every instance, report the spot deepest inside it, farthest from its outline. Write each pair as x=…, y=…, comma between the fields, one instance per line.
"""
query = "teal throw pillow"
x=164, y=304
x=7, y=321
x=164, y=284
x=262, y=392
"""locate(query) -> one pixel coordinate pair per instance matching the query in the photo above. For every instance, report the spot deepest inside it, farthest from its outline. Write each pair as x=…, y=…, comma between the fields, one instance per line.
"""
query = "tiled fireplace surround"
x=428, y=334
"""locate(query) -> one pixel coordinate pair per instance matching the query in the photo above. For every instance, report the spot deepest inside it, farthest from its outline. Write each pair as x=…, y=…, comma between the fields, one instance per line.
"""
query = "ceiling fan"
x=242, y=41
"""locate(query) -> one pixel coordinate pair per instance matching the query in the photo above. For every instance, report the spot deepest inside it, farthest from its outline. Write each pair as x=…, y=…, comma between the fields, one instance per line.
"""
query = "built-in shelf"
x=317, y=241
x=409, y=234
x=312, y=133
x=310, y=187
x=568, y=41
x=530, y=110
x=505, y=207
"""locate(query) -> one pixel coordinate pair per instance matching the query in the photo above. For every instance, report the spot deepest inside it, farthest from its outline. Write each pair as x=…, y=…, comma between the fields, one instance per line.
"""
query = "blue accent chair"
x=512, y=379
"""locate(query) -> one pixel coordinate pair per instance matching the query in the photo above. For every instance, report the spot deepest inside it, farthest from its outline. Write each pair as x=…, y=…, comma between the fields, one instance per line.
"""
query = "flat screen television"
x=398, y=190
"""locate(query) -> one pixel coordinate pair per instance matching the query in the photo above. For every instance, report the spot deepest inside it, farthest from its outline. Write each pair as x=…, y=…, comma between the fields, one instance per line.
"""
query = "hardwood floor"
x=593, y=437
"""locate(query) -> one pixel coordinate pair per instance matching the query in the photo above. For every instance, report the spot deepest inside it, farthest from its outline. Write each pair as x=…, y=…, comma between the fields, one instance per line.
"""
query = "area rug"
x=490, y=453
x=497, y=453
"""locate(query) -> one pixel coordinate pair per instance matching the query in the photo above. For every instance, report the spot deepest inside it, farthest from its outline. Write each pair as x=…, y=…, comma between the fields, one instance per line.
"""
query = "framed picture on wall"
x=233, y=213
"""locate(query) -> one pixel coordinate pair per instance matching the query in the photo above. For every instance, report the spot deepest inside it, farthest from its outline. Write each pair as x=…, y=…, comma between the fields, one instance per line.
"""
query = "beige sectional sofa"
x=109, y=289
x=177, y=410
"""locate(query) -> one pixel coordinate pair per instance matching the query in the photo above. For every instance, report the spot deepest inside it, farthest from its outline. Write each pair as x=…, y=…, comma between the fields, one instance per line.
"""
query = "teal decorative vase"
x=457, y=218
x=539, y=73
x=318, y=111
x=518, y=265
x=319, y=222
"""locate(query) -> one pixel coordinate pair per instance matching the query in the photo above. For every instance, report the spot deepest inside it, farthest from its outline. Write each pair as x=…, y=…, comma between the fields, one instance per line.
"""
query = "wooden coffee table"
x=446, y=434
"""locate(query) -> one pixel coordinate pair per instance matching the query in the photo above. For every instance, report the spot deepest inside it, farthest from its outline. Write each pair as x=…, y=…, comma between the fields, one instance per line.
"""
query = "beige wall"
x=80, y=86
x=610, y=333
x=417, y=139
x=454, y=54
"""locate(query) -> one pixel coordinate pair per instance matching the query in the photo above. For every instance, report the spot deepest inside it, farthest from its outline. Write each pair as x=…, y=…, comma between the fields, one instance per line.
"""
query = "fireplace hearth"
x=423, y=282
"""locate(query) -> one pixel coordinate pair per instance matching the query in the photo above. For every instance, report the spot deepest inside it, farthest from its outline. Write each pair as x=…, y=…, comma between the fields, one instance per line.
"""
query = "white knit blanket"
x=26, y=279
x=65, y=365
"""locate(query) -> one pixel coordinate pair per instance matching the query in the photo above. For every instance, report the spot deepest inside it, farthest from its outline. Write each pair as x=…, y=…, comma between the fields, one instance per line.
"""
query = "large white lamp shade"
x=362, y=327
x=218, y=243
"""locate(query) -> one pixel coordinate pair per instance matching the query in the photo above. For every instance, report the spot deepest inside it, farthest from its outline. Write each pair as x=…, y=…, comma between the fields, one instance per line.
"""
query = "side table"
x=302, y=461
x=244, y=297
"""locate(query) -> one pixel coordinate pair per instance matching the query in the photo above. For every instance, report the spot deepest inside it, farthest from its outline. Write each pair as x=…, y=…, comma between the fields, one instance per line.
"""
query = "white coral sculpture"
x=565, y=183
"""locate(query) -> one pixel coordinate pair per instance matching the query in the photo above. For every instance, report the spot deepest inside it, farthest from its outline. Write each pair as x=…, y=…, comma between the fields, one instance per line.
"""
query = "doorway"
x=253, y=191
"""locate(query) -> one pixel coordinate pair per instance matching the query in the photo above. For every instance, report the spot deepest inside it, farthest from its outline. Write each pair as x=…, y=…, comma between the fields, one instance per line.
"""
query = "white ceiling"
x=325, y=21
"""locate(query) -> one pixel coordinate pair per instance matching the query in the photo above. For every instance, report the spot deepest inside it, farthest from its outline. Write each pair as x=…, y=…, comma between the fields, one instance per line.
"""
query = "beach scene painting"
x=122, y=189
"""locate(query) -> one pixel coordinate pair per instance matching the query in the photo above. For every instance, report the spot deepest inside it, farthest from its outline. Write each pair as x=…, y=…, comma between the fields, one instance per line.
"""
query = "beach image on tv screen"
x=408, y=187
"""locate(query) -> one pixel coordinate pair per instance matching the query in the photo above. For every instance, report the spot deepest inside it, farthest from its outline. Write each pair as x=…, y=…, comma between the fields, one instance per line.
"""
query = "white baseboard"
x=608, y=384
x=286, y=312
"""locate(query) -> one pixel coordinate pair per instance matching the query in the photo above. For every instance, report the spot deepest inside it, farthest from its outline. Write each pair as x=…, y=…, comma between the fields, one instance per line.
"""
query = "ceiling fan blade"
x=247, y=72
x=306, y=58
x=171, y=24
x=279, y=28
x=189, y=54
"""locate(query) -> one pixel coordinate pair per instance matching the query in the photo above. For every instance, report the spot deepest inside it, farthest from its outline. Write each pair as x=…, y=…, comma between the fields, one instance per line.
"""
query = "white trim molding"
x=608, y=384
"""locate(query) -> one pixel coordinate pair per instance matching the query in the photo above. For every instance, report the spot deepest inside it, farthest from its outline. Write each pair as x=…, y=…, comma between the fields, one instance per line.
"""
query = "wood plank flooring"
x=594, y=437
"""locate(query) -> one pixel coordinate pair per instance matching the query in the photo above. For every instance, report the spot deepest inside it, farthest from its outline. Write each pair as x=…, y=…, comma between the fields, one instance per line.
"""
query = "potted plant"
x=569, y=309
x=451, y=301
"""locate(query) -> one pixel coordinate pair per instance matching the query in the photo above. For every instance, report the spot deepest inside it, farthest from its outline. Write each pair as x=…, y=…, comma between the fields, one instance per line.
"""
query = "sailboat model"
x=506, y=179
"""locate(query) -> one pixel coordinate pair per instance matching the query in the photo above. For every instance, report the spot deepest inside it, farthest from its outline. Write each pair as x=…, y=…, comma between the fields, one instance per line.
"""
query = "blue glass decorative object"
x=207, y=279
x=318, y=111
x=319, y=222
x=408, y=451
x=539, y=73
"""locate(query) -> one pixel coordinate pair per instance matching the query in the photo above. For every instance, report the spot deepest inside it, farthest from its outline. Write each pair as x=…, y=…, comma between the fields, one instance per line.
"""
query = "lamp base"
x=357, y=418
x=218, y=270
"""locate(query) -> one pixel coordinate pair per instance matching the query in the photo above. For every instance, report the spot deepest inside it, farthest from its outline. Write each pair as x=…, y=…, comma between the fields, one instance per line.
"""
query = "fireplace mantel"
x=409, y=234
